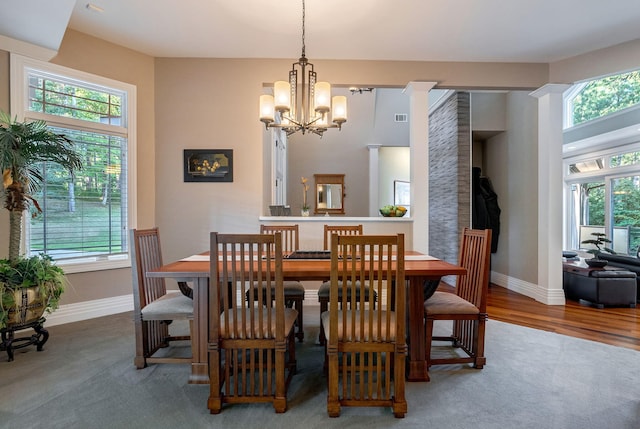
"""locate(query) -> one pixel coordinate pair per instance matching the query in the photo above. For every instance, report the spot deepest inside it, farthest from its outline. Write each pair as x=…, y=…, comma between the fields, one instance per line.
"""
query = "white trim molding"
x=86, y=310
x=532, y=290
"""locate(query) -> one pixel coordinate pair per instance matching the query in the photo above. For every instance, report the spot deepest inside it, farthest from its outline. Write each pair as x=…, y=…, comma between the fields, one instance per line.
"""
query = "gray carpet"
x=85, y=378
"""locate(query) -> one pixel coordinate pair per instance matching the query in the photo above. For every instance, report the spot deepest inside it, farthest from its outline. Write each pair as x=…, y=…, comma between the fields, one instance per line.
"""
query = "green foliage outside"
x=626, y=206
x=604, y=96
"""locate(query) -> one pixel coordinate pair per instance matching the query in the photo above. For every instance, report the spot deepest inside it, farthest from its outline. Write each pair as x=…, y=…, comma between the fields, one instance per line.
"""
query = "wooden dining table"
x=422, y=274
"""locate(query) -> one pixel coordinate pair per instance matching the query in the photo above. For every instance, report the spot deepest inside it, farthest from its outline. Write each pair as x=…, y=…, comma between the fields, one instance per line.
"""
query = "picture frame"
x=401, y=193
x=208, y=165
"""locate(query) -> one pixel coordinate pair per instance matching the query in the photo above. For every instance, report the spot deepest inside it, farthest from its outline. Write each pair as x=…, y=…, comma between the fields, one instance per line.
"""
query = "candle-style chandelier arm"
x=303, y=104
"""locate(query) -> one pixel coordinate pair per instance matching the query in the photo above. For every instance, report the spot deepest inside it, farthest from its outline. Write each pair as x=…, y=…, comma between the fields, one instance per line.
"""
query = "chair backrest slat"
x=329, y=230
x=474, y=255
x=290, y=239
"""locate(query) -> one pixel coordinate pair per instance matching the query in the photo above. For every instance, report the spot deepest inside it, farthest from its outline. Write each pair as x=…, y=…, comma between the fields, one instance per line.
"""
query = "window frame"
x=19, y=68
x=607, y=174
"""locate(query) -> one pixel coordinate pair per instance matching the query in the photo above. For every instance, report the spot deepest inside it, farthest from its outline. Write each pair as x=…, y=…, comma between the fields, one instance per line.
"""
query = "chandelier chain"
x=303, y=29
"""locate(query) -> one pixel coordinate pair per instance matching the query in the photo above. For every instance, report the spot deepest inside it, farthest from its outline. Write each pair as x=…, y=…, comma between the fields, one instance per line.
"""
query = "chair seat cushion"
x=292, y=289
x=290, y=316
x=325, y=287
x=347, y=333
x=172, y=306
x=448, y=303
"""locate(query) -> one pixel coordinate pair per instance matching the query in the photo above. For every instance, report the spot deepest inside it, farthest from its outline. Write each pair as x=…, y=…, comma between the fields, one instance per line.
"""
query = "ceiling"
x=424, y=30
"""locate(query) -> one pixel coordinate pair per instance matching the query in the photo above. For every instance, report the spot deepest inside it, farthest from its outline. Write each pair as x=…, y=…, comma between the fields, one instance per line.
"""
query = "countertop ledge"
x=335, y=218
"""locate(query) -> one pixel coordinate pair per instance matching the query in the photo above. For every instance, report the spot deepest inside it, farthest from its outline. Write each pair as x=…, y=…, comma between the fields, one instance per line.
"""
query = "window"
x=600, y=97
x=85, y=218
x=605, y=199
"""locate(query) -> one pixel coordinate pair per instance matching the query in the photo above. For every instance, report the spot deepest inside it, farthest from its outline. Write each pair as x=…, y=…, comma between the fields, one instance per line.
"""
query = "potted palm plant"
x=28, y=285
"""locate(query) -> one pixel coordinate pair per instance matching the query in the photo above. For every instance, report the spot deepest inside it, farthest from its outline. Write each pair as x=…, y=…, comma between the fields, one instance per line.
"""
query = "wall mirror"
x=329, y=193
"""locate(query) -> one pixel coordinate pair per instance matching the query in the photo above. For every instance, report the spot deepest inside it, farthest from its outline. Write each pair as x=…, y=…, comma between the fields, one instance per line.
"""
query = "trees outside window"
x=604, y=96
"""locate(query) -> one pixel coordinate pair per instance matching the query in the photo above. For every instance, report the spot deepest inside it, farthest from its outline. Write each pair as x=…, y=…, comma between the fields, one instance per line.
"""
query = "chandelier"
x=303, y=104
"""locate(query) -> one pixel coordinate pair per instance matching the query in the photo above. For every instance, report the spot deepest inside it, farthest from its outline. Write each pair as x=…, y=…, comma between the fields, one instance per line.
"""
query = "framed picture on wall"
x=208, y=165
x=401, y=193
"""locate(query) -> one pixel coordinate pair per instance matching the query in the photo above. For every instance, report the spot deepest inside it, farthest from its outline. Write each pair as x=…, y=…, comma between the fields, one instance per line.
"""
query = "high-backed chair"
x=154, y=307
x=366, y=347
x=293, y=290
x=251, y=342
x=467, y=307
x=323, y=291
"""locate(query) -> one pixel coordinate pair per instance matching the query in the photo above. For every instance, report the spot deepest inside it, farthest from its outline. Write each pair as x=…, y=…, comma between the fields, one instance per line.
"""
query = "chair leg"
x=214, y=403
x=480, y=359
x=399, y=400
x=291, y=358
x=324, y=305
x=280, y=397
x=299, y=321
x=428, y=340
x=333, y=401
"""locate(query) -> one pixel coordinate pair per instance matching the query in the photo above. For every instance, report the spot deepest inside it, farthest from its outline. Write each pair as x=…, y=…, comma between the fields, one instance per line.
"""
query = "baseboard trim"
x=86, y=310
x=532, y=290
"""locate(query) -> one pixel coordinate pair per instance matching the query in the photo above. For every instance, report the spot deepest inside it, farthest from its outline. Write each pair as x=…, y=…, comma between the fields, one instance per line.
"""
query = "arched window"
x=600, y=97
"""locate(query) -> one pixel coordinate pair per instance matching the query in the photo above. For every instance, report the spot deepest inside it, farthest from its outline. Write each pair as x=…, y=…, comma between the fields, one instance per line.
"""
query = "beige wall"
x=616, y=59
x=213, y=103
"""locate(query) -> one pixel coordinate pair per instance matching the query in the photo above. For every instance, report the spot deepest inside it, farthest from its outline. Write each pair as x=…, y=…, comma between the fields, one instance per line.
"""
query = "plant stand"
x=9, y=341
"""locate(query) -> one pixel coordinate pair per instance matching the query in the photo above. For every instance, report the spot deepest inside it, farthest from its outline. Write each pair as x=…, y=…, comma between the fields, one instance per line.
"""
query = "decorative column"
x=419, y=154
x=550, y=107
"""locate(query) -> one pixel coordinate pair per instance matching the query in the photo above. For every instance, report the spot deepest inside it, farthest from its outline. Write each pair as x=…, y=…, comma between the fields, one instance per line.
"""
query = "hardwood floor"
x=617, y=326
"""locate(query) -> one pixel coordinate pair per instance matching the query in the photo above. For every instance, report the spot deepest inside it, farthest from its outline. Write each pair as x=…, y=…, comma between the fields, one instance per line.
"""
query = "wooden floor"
x=615, y=326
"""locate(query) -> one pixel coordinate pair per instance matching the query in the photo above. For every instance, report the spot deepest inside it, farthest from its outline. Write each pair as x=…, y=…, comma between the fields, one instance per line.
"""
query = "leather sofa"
x=629, y=263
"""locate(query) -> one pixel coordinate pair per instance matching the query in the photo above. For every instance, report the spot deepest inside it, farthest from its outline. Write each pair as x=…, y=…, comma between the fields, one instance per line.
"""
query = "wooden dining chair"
x=467, y=307
x=366, y=348
x=323, y=291
x=251, y=342
x=154, y=307
x=293, y=289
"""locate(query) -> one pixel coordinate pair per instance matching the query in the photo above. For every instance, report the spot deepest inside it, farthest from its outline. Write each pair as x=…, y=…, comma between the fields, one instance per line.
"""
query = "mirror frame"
x=329, y=179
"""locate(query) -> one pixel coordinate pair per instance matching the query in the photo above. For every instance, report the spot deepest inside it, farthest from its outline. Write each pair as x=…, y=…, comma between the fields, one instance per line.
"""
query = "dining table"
x=422, y=275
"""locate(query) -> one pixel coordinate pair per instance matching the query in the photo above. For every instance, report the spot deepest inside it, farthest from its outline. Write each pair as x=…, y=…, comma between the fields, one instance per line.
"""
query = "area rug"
x=85, y=378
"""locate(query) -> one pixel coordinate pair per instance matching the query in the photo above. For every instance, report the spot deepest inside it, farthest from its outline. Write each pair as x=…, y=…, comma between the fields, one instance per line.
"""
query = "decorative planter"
x=304, y=212
x=27, y=313
x=30, y=306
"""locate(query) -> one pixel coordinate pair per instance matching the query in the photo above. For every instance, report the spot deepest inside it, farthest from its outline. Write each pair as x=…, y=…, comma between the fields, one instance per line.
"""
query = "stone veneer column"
x=550, y=105
x=419, y=154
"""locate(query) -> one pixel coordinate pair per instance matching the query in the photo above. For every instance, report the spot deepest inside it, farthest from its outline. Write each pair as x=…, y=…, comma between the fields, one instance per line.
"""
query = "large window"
x=85, y=217
x=604, y=196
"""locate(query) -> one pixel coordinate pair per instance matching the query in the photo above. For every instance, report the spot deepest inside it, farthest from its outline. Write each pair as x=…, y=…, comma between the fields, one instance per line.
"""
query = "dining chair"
x=366, y=347
x=467, y=307
x=323, y=291
x=251, y=342
x=154, y=307
x=293, y=289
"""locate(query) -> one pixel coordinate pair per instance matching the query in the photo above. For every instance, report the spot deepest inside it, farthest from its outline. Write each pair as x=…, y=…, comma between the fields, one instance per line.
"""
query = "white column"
x=419, y=154
x=374, y=178
x=550, y=107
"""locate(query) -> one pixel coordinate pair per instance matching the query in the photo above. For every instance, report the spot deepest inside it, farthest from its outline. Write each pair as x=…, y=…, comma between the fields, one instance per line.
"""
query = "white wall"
x=394, y=164
x=510, y=164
